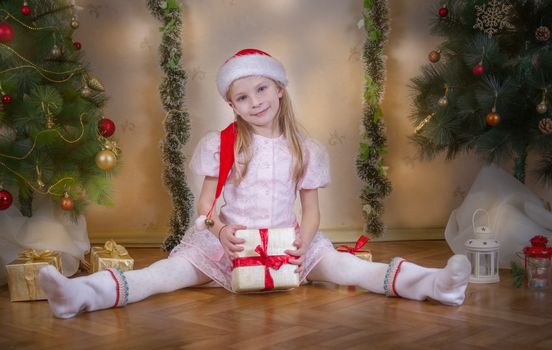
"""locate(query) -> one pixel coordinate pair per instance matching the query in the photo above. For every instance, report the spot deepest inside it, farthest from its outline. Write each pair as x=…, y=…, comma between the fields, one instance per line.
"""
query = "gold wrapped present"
x=263, y=265
x=111, y=255
x=357, y=249
x=23, y=272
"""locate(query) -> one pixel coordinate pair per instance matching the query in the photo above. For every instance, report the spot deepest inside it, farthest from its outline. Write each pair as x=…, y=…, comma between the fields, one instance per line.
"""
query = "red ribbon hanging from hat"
x=227, y=139
x=269, y=261
x=357, y=248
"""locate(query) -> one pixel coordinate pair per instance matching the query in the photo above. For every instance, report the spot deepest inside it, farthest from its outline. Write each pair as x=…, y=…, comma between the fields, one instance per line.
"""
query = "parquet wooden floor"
x=315, y=316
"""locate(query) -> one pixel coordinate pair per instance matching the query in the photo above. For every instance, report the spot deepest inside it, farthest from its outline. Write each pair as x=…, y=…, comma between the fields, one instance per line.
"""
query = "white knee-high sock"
x=447, y=285
x=163, y=276
x=68, y=297
x=346, y=269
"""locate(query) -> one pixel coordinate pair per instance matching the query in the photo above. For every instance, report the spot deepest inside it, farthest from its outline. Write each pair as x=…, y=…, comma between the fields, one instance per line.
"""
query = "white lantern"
x=482, y=251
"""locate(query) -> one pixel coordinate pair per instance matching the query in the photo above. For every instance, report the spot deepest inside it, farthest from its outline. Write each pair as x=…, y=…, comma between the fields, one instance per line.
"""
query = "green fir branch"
x=63, y=147
x=518, y=274
x=517, y=70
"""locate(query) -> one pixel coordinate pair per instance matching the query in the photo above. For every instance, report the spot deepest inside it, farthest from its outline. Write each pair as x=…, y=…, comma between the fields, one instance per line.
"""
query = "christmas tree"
x=488, y=86
x=54, y=139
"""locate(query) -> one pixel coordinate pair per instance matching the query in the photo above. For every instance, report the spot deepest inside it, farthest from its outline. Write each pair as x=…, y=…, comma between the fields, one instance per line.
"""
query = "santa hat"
x=246, y=63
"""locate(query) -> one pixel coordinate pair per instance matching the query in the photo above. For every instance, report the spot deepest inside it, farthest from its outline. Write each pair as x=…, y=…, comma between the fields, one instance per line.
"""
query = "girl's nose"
x=255, y=102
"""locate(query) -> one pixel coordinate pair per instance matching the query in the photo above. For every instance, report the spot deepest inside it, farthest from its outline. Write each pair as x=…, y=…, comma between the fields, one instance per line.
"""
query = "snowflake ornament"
x=493, y=17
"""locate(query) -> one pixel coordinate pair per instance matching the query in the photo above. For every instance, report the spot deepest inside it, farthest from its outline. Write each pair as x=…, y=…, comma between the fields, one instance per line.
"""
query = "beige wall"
x=320, y=44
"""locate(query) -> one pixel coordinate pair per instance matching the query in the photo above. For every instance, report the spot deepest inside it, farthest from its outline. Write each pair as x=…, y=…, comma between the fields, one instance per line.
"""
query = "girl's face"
x=257, y=100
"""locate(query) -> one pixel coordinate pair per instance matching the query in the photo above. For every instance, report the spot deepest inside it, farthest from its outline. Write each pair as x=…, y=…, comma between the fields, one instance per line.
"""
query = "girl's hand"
x=299, y=254
x=229, y=241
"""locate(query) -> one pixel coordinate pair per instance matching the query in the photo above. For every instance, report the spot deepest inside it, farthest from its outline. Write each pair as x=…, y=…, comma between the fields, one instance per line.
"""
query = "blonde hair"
x=287, y=125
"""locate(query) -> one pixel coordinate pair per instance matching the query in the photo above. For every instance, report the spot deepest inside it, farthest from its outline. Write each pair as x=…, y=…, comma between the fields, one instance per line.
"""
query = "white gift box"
x=263, y=266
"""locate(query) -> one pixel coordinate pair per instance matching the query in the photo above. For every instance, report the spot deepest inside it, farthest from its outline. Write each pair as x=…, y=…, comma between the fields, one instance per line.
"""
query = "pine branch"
x=369, y=162
x=177, y=123
x=517, y=69
x=50, y=12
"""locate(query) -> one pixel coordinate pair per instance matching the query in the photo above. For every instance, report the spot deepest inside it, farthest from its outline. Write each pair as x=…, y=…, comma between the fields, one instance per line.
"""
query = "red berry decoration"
x=77, y=45
x=26, y=10
x=6, y=99
x=106, y=127
x=443, y=11
x=5, y=199
x=478, y=69
x=6, y=32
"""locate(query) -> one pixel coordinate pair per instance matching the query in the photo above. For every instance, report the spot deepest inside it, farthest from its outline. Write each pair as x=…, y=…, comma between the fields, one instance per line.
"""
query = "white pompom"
x=200, y=222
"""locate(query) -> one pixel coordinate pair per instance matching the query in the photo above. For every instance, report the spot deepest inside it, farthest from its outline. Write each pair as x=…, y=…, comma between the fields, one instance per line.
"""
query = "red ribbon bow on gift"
x=269, y=261
x=359, y=244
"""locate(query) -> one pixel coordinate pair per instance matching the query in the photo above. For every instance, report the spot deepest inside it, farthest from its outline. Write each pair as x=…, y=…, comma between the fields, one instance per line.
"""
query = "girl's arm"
x=225, y=233
x=310, y=215
x=310, y=220
x=206, y=198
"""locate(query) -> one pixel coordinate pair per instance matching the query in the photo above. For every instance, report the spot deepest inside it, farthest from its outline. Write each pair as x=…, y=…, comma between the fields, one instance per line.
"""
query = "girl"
x=273, y=161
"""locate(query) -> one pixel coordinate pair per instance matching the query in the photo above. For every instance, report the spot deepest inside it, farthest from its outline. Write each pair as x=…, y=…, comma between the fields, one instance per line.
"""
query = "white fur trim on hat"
x=246, y=63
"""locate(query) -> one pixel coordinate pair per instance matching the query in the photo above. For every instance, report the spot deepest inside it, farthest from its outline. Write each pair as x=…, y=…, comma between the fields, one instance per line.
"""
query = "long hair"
x=288, y=126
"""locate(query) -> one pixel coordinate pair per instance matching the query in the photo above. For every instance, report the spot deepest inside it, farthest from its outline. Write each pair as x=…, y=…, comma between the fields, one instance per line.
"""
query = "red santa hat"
x=249, y=62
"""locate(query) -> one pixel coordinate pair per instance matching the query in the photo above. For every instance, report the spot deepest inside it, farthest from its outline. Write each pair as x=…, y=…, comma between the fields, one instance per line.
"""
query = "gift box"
x=23, y=272
x=263, y=264
x=357, y=249
x=111, y=255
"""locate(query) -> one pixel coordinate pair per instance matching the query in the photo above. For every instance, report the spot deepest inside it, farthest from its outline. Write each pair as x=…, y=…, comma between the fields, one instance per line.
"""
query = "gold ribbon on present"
x=29, y=276
x=115, y=251
x=32, y=255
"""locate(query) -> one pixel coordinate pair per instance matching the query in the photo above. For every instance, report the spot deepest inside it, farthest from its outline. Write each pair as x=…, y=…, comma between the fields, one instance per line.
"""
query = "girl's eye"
x=262, y=88
x=241, y=98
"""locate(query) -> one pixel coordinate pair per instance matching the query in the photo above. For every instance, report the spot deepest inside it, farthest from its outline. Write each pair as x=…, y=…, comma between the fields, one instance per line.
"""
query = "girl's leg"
x=399, y=278
x=110, y=288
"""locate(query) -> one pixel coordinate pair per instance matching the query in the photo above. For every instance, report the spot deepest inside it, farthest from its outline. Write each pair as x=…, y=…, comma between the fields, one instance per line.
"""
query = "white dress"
x=265, y=198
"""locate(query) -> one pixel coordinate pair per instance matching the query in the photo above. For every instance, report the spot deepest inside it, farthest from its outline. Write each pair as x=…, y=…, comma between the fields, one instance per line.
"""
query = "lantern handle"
x=475, y=213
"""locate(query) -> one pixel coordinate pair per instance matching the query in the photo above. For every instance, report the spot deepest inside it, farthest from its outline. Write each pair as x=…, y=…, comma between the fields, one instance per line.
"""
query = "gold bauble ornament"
x=492, y=119
x=106, y=159
x=86, y=92
x=74, y=23
x=542, y=107
x=56, y=51
x=443, y=102
x=66, y=202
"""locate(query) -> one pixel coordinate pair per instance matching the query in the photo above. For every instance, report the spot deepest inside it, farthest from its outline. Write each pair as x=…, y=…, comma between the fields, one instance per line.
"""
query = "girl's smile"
x=257, y=100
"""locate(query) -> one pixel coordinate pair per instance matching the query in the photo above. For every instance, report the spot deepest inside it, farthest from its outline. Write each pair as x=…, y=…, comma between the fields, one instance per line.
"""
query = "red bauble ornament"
x=443, y=11
x=5, y=199
x=478, y=69
x=26, y=10
x=434, y=56
x=492, y=119
x=77, y=45
x=66, y=202
x=106, y=127
x=6, y=99
x=6, y=32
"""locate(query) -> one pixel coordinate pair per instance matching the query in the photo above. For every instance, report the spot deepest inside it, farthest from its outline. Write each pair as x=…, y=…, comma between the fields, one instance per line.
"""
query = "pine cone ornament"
x=542, y=33
x=545, y=126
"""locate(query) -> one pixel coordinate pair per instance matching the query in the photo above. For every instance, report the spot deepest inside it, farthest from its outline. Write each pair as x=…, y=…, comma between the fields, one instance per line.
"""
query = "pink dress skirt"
x=204, y=251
